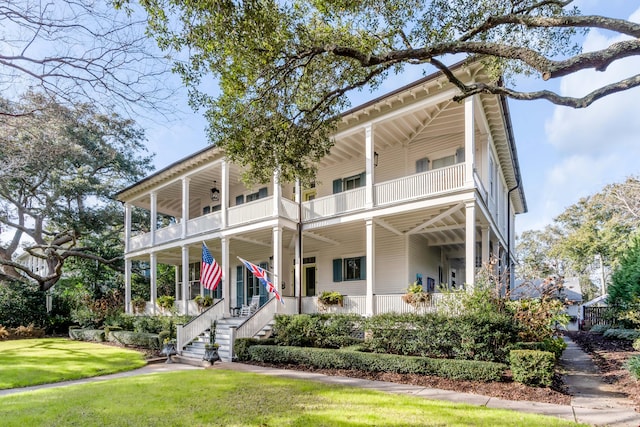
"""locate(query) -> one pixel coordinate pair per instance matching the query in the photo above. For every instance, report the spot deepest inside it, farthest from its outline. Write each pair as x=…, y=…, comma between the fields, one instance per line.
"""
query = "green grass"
x=229, y=398
x=49, y=360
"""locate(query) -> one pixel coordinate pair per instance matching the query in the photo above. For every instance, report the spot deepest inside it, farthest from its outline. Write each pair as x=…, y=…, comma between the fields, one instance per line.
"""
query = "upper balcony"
x=396, y=191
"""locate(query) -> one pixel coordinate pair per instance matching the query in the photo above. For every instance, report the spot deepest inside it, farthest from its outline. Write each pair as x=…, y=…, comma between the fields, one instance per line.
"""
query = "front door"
x=309, y=280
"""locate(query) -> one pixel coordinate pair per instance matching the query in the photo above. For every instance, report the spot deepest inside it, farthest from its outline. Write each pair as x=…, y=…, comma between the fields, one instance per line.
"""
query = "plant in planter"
x=139, y=304
x=211, y=348
x=203, y=302
x=169, y=349
x=166, y=302
x=416, y=296
x=328, y=298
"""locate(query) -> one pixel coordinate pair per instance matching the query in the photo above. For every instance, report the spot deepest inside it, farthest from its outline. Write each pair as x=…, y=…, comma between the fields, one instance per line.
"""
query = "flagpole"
x=265, y=270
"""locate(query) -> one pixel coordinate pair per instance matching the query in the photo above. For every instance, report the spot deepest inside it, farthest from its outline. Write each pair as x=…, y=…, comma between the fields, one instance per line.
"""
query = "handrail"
x=257, y=321
x=197, y=325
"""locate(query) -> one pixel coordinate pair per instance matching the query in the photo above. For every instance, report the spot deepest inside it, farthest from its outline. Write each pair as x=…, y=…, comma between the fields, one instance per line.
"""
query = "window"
x=422, y=165
x=216, y=208
x=349, y=269
x=444, y=162
x=263, y=192
x=492, y=177
x=349, y=183
x=206, y=210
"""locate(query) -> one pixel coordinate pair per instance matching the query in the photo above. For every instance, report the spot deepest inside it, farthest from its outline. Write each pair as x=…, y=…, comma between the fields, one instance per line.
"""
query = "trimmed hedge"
x=137, y=339
x=241, y=347
x=317, y=330
x=532, y=367
x=87, y=334
x=622, y=334
x=344, y=359
x=474, y=336
x=553, y=345
x=636, y=344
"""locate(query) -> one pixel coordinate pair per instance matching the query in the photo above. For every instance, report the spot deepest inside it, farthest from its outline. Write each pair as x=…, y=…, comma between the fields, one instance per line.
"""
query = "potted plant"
x=166, y=302
x=169, y=349
x=329, y=298
x=203, y=302
x=139, y=304
x=211, y=348
x=416, y=296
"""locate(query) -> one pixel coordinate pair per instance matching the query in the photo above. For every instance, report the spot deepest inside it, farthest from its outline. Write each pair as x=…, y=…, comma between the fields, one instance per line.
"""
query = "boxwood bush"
x=241, y=347
x=371, y=362
x=137, y=339
x=532, y=367
x=473, y=336
x=86, y=334
x=633, y=365
x=317, y=330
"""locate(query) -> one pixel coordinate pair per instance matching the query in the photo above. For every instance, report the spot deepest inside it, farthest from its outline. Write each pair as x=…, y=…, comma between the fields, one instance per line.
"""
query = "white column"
x=277, y=262
x=470, y=244
x=185, y=205
x=485, y=245
x=370, y=270
x=127, y=227
x=277, y=193
x=469, y=140
x=297, y=290
x=369, y=151
x=177, y=281
x=127, y=286
x=185, y=279
x=226, y=285
x=154, y=217
x=225, y=193
x=154, y=280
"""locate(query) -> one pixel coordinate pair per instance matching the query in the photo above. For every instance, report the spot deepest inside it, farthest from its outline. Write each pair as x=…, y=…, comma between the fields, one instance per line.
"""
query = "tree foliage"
x=78, y=51
x=285, y=68
x=596, y=227
x=625, y=287
x=60, y=167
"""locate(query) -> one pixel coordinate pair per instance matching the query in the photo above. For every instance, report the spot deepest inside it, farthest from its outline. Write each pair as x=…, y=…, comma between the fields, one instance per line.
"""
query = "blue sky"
x=564, y=154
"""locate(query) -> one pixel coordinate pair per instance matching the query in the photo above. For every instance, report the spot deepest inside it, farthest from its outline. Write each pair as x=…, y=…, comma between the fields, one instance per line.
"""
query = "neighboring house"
x=38, y=266
x=569, y=293
x=416, y=185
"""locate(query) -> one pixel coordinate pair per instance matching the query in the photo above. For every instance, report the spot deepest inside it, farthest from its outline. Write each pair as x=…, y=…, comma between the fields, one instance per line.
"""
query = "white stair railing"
x=186, y=333
x=256, y=322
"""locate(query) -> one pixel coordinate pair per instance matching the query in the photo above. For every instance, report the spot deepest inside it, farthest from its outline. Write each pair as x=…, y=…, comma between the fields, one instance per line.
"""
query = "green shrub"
x=622, y=334
x=532, y=367
x=317, y=330
x=371, y=362
x=21, y=304
x=554, y=345
x=87, y=334
x=149, y=324
x=136, y=339
x=478, y=335
x=241, y=347
x=633, y=365
x=636, y=344
x=599, y=329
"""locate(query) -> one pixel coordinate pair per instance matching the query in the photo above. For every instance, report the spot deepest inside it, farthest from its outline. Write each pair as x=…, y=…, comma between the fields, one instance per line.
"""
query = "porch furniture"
x=234, y=311
x=248, y=310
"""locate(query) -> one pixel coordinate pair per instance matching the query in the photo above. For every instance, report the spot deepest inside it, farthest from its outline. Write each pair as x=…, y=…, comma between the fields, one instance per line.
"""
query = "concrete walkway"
x=594, y=403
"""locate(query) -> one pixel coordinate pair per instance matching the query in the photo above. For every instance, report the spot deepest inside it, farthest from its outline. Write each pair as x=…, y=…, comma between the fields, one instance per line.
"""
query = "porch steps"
x=194, y=351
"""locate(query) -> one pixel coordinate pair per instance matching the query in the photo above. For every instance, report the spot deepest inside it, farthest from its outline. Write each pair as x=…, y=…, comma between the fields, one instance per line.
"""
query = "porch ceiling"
x=440, y=226
x=169, y=196
x=438, y=124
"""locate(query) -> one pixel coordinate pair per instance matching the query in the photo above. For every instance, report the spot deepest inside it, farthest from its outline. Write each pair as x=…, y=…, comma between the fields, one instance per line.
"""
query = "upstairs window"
x=349, y=183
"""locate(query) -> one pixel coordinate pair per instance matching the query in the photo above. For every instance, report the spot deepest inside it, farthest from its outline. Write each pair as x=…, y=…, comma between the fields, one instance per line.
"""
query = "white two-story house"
x=416, y=187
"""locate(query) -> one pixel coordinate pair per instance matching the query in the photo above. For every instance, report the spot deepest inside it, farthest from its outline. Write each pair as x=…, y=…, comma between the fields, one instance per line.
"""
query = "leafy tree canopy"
x=285, y=67
x=60, y=167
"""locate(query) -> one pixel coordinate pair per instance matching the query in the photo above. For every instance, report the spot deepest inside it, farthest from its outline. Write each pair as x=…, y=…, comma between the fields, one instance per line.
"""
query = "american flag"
x=261, y=274
x=210, y=273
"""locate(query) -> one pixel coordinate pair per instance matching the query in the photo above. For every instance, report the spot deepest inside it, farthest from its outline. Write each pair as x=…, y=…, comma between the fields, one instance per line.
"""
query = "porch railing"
x=395, y=304
x=166, y=234
x=334, y=204
x=209, y=222
x=420, y=185
x=290, y=209
x=252, y=211
x=186, y=333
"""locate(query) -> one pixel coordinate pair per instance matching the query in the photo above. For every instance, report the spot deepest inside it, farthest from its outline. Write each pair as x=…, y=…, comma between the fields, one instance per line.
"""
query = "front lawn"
x=229, y=398
x=39, y=361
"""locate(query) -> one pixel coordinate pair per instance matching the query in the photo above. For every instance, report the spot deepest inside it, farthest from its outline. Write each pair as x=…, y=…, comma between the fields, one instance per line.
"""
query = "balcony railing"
x=399, y=190
x=420, y=185
x=334, y=204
